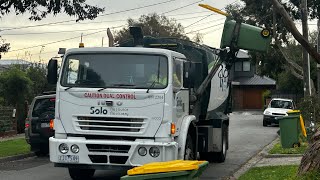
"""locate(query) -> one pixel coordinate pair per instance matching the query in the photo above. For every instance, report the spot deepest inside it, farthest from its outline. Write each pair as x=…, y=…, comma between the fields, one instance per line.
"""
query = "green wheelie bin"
x=290, y=129
x=171, y=170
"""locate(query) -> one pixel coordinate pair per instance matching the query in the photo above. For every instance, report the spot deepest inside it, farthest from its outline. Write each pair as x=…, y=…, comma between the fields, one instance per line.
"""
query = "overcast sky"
x=22, y=38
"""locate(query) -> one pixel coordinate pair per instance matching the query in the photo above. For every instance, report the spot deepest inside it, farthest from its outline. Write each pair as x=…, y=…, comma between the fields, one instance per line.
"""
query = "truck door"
x=181, y=94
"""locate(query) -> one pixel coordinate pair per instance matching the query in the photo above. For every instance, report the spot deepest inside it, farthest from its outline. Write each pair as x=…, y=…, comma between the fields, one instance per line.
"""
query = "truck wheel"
x=189, y=153
x=81, y=174
x=218, y=157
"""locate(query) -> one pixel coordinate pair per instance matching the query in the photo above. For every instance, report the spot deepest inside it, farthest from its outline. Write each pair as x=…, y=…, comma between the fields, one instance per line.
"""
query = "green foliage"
x=310, y=105
x=37, y=74
x=14, y=147
x=277, y=149
x=39, y=9
x=289, y=83
x=271, y=173
x=152, y=25
x=15, y=86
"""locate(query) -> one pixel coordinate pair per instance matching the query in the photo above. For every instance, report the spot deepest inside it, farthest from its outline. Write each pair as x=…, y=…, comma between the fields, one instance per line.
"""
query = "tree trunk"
x=311, y=158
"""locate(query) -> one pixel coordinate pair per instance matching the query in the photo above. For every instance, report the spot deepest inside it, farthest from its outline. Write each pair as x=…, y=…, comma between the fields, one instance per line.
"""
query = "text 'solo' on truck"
x=149, y=99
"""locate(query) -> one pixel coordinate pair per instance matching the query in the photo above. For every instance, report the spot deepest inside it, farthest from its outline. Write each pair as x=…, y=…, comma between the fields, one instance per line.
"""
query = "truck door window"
x=73, y=67
x=177, y=73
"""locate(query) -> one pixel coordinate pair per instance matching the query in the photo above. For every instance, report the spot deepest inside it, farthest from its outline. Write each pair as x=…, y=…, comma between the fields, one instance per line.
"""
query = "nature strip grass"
x=287, y=172
x=277, y=149
x=14, y=147
x=270, y=173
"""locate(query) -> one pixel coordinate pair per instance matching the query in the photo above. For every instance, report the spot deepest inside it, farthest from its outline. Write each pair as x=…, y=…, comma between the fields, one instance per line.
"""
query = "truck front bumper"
x=97, y=153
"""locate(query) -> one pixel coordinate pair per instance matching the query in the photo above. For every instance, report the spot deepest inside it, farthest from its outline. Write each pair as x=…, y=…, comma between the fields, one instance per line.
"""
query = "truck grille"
x=108, y=148
x=110, y=124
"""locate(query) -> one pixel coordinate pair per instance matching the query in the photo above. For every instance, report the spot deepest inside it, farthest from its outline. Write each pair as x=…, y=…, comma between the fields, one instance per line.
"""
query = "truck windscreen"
x=115, y=70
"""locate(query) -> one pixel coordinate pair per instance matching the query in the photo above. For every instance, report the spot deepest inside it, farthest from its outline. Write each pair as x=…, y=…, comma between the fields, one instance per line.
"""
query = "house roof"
x=255, y=80
x=6, y=62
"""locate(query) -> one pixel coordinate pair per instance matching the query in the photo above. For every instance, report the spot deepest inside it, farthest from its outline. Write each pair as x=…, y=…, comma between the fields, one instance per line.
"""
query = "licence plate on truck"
x=68, y=158
x=44, y=125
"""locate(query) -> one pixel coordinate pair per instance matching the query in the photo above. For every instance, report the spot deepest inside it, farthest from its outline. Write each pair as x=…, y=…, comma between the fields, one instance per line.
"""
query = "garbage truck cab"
x=122, y=107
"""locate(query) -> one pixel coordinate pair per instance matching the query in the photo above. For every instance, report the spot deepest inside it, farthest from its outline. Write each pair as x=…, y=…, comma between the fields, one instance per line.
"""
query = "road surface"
x=247, y=137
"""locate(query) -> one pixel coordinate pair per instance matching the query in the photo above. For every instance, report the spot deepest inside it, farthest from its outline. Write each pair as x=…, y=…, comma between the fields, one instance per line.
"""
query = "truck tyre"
x=81, y=174
x=218, y=157
x=189, y=153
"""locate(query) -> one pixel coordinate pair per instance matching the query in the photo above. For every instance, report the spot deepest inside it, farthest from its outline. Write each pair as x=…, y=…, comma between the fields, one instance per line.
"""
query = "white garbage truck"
x=151, y=99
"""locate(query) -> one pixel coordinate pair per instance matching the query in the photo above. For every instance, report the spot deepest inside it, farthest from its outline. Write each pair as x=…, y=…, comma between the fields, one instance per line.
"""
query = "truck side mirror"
x=188, y=79
x=52, y=71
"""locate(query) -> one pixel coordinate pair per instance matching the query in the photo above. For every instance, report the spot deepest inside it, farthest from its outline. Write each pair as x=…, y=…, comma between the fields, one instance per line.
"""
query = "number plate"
x=68, y=158
x=45, y=125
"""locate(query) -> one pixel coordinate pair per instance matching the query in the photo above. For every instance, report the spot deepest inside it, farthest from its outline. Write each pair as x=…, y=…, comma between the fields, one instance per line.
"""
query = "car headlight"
x=154, y=152
x=75, y=149
x=63, y=148
x=267, y=113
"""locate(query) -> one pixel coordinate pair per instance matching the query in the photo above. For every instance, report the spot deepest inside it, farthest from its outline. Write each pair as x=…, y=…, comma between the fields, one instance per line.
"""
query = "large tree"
x=39, y=9
x=286, y=13
x=152, y=25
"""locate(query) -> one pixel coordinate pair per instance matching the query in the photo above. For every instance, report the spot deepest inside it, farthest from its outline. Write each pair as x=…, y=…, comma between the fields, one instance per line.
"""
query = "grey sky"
x=211, y=35
x=28, y=40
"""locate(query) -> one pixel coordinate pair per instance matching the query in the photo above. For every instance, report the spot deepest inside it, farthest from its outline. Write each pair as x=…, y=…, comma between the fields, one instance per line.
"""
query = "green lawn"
x=277, y=173
x=14, y=147
x=277, y=149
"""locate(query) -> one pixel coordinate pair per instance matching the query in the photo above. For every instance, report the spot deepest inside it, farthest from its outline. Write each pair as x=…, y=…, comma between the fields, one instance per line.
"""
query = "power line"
x=215, y=20
x=204, y=28
x=55, y=42
x=59, y=22
x=53, y=32
x=198, y=21
x=181, y=7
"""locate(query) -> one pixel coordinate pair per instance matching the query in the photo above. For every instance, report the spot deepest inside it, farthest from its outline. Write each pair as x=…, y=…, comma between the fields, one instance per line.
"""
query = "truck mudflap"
x=95, y=153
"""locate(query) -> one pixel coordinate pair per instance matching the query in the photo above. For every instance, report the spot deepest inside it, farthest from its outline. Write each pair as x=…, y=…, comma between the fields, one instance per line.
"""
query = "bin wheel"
x=295, y=145
x=81, y=174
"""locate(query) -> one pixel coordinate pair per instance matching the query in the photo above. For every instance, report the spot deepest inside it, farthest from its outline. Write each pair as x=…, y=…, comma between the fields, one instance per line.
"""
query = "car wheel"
x=265, y=123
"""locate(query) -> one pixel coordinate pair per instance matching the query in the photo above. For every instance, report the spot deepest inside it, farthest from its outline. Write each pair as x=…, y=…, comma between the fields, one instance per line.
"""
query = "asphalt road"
x=247, y=137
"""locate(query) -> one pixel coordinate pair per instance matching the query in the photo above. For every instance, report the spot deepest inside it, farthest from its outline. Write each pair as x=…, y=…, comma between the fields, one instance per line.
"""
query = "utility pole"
x=318, y=65
x=305, y=55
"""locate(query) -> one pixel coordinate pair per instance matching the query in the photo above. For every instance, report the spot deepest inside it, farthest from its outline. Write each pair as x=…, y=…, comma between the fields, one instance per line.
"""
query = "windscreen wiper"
x=152, y=85
x=66, y=89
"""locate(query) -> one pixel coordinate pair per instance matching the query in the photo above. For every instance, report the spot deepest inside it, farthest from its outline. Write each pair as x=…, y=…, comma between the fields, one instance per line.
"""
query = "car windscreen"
x=115, y=70
x=43, y=105
x=281, y=104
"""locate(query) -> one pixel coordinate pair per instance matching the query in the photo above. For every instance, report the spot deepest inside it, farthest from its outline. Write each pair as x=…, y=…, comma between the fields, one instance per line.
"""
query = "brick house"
x=248, y=87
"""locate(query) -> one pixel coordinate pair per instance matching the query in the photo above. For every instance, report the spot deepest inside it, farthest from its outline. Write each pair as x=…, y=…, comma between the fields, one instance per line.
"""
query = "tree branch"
x=294, y=72
x=296, y=34
x=289, y=61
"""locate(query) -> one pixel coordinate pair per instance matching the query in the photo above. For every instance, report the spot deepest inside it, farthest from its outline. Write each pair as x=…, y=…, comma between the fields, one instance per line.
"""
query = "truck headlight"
x=154, y=152
x=63, y=148
x=75, y=149
x=142, y=151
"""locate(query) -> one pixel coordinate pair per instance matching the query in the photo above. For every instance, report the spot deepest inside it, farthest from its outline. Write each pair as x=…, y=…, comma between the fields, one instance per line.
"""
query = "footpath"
x=263, y=158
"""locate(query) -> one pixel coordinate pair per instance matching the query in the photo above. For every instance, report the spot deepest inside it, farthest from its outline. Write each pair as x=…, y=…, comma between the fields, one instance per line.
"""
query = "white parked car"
x=277, y=107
